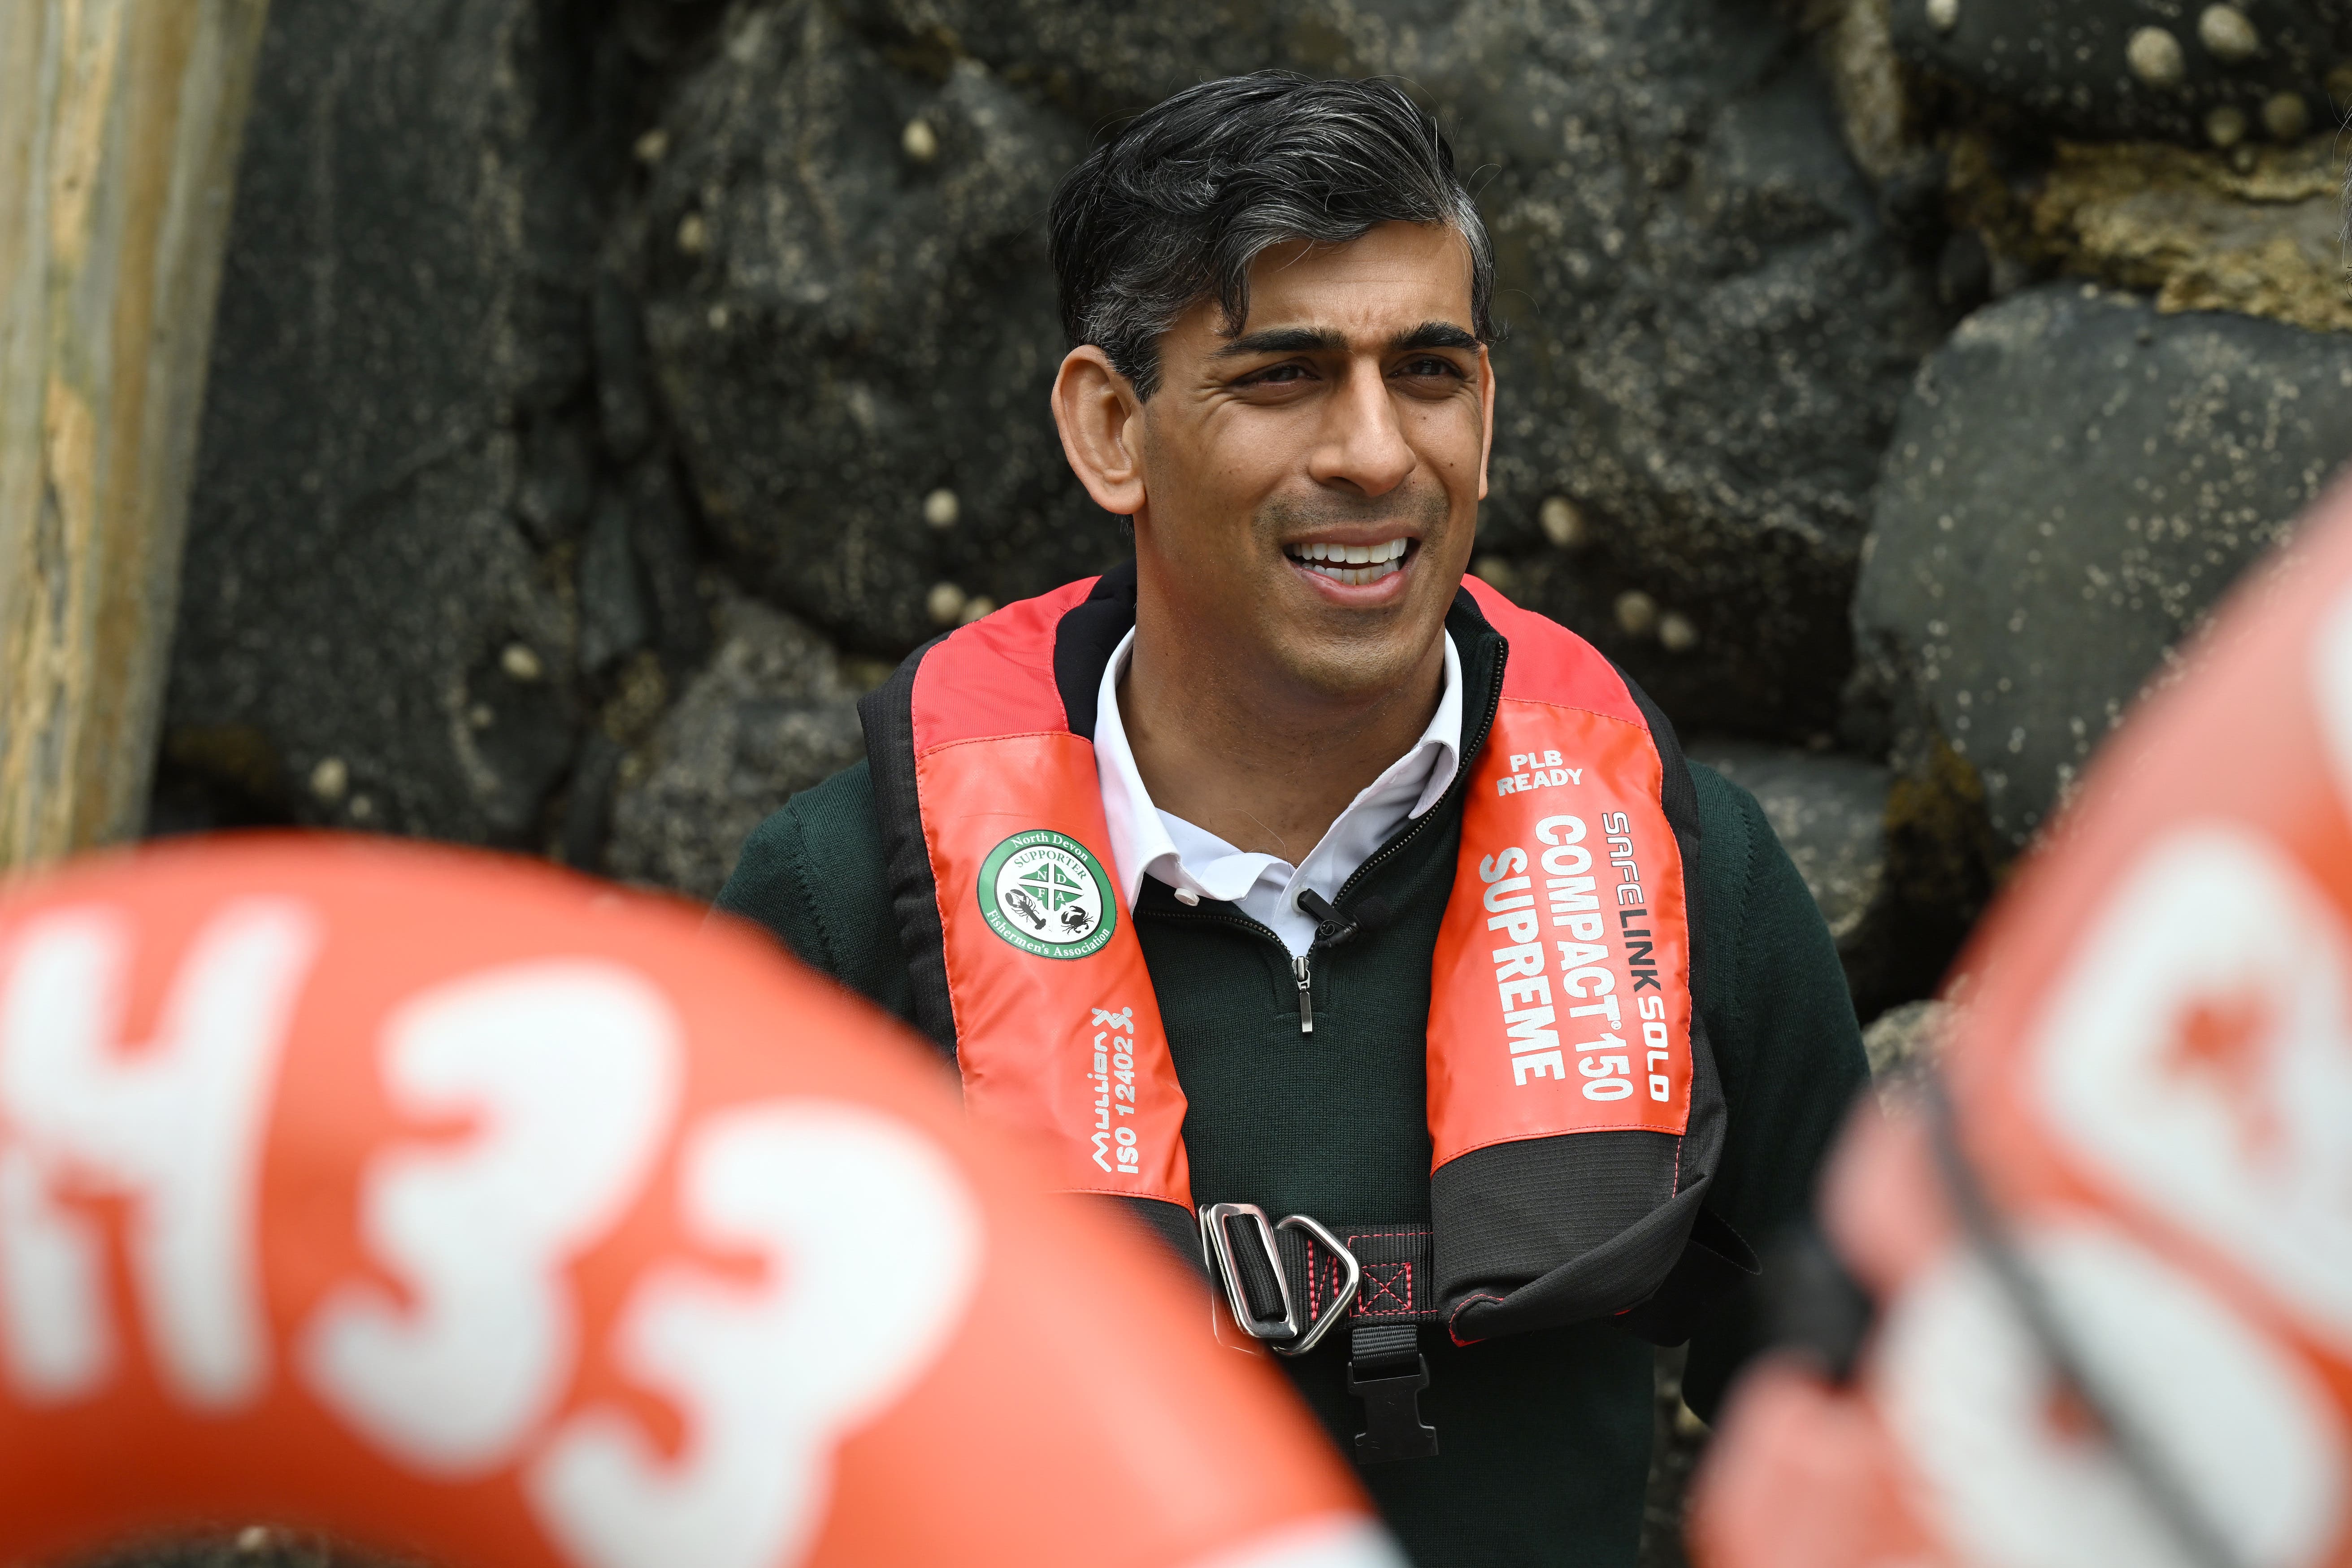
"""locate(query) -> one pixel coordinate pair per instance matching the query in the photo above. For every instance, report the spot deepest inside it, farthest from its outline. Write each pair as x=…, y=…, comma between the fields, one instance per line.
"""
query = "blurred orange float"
x=476, y=1213
x=2114, y=1280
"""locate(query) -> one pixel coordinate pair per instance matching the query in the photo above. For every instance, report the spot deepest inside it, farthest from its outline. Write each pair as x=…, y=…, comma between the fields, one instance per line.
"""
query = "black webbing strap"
x=1256, y=1269
x=1399, y=1284
x=1382, y=1349
x=888, y=713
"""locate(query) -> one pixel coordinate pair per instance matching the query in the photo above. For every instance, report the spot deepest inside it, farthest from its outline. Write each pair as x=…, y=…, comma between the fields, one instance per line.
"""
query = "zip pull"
x=1303, y=966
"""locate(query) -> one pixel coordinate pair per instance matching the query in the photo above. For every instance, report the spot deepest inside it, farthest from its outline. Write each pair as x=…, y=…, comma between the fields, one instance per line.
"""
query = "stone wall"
x=605, y=392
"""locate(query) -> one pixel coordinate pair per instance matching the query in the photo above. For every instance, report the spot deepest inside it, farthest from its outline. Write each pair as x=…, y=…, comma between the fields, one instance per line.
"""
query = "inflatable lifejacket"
x=1572, y=1100
x=2110, y=1260
x=480, y=1214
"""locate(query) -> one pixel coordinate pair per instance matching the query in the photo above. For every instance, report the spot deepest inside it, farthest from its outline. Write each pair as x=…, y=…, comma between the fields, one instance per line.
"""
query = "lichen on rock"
x=2200, y=232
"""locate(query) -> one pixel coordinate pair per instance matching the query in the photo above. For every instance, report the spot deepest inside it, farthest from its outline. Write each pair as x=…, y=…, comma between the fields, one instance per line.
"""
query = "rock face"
x=770, y=715
x=1847, y=825
x=1722, y=315
x=2137, y=67
x=2075, y=480
x=1678, y=1442
x=1904, y=1044
x=530, y=312
x=1709, y=322
x=365, y=617
x=435, y=522
x=850, y=311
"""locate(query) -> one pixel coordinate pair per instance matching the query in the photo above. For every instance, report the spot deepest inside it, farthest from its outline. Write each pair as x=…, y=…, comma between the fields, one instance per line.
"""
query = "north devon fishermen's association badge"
x=1042, y=892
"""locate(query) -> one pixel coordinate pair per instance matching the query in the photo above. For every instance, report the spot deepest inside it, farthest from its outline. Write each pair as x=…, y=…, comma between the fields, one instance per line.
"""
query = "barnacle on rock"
x=2154, y=56
x=2227, y=34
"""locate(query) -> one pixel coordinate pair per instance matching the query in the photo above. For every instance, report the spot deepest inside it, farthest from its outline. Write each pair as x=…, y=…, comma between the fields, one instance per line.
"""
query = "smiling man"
x=1366, y=936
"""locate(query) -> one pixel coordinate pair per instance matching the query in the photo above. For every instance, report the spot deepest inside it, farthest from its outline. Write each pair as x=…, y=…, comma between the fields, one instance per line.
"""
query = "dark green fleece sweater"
x=1545, y=1436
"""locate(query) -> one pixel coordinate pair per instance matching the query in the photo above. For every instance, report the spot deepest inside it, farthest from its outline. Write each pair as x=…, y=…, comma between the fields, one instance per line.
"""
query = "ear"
x=1102, y=421
x=1486, y=395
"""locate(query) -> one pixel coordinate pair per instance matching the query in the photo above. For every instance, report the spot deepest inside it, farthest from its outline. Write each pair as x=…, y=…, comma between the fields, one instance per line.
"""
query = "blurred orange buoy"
x=477, y=1213
x=2112, y=1262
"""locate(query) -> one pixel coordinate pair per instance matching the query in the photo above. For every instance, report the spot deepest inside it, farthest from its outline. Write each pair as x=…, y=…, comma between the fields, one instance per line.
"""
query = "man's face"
x=1311, y=484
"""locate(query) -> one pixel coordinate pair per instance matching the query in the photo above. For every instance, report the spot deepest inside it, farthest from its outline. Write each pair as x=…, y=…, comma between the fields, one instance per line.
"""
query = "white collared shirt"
x=1148, y=842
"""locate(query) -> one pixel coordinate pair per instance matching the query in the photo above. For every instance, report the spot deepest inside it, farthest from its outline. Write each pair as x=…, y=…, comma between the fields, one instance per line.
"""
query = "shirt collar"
x=1140, y=844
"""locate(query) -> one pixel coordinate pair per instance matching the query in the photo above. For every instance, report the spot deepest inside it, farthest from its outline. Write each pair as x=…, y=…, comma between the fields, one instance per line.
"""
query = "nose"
x=1362, y=446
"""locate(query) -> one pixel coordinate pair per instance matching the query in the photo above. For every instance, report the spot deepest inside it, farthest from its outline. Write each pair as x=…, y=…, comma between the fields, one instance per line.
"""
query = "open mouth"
x=1354, y=564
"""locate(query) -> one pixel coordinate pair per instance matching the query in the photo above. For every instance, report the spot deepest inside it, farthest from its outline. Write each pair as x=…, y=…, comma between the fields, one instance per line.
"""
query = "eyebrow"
x=1329, y=339
x=1435, y=335
x=1285, y=340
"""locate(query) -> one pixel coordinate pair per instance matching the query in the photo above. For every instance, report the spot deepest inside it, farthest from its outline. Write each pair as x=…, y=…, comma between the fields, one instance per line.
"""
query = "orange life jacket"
x=1573, y=1106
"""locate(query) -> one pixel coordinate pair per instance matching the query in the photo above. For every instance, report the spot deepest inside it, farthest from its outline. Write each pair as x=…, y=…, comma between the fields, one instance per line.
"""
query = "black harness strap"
x=1398, y=1284
x=887, y=714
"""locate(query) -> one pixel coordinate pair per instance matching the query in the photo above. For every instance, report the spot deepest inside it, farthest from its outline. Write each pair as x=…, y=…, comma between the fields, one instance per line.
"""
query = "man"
x=1282, y=868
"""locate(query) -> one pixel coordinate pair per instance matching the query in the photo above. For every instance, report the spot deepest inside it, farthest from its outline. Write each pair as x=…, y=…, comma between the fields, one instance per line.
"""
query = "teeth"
x=1347, y=555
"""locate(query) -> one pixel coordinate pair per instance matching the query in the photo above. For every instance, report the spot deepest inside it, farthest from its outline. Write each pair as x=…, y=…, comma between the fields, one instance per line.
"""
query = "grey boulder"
x=1838, y=817
x=851, y=319
x=768, y=716
x=1905, y=1044
x=2074, y=482
x=1828, y=813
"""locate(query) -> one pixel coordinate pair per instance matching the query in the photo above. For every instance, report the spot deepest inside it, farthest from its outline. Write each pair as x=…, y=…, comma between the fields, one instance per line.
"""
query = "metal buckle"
x=1341, y=1299
x=1220, y=1249
x=1217, y=1244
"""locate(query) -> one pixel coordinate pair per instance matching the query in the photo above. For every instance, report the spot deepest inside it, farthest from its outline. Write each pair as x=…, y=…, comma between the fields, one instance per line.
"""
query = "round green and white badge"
x=1042, y=892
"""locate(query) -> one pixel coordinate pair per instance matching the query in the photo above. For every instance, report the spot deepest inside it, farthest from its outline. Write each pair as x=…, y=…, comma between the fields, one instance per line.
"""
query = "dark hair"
x=1176, y=206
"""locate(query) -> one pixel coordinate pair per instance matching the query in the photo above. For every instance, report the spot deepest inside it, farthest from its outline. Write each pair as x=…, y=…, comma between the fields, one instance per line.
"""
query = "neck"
x=1265, y=765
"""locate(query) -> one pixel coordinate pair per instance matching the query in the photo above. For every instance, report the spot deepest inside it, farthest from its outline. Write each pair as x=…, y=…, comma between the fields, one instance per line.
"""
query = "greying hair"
x=1175, y=207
